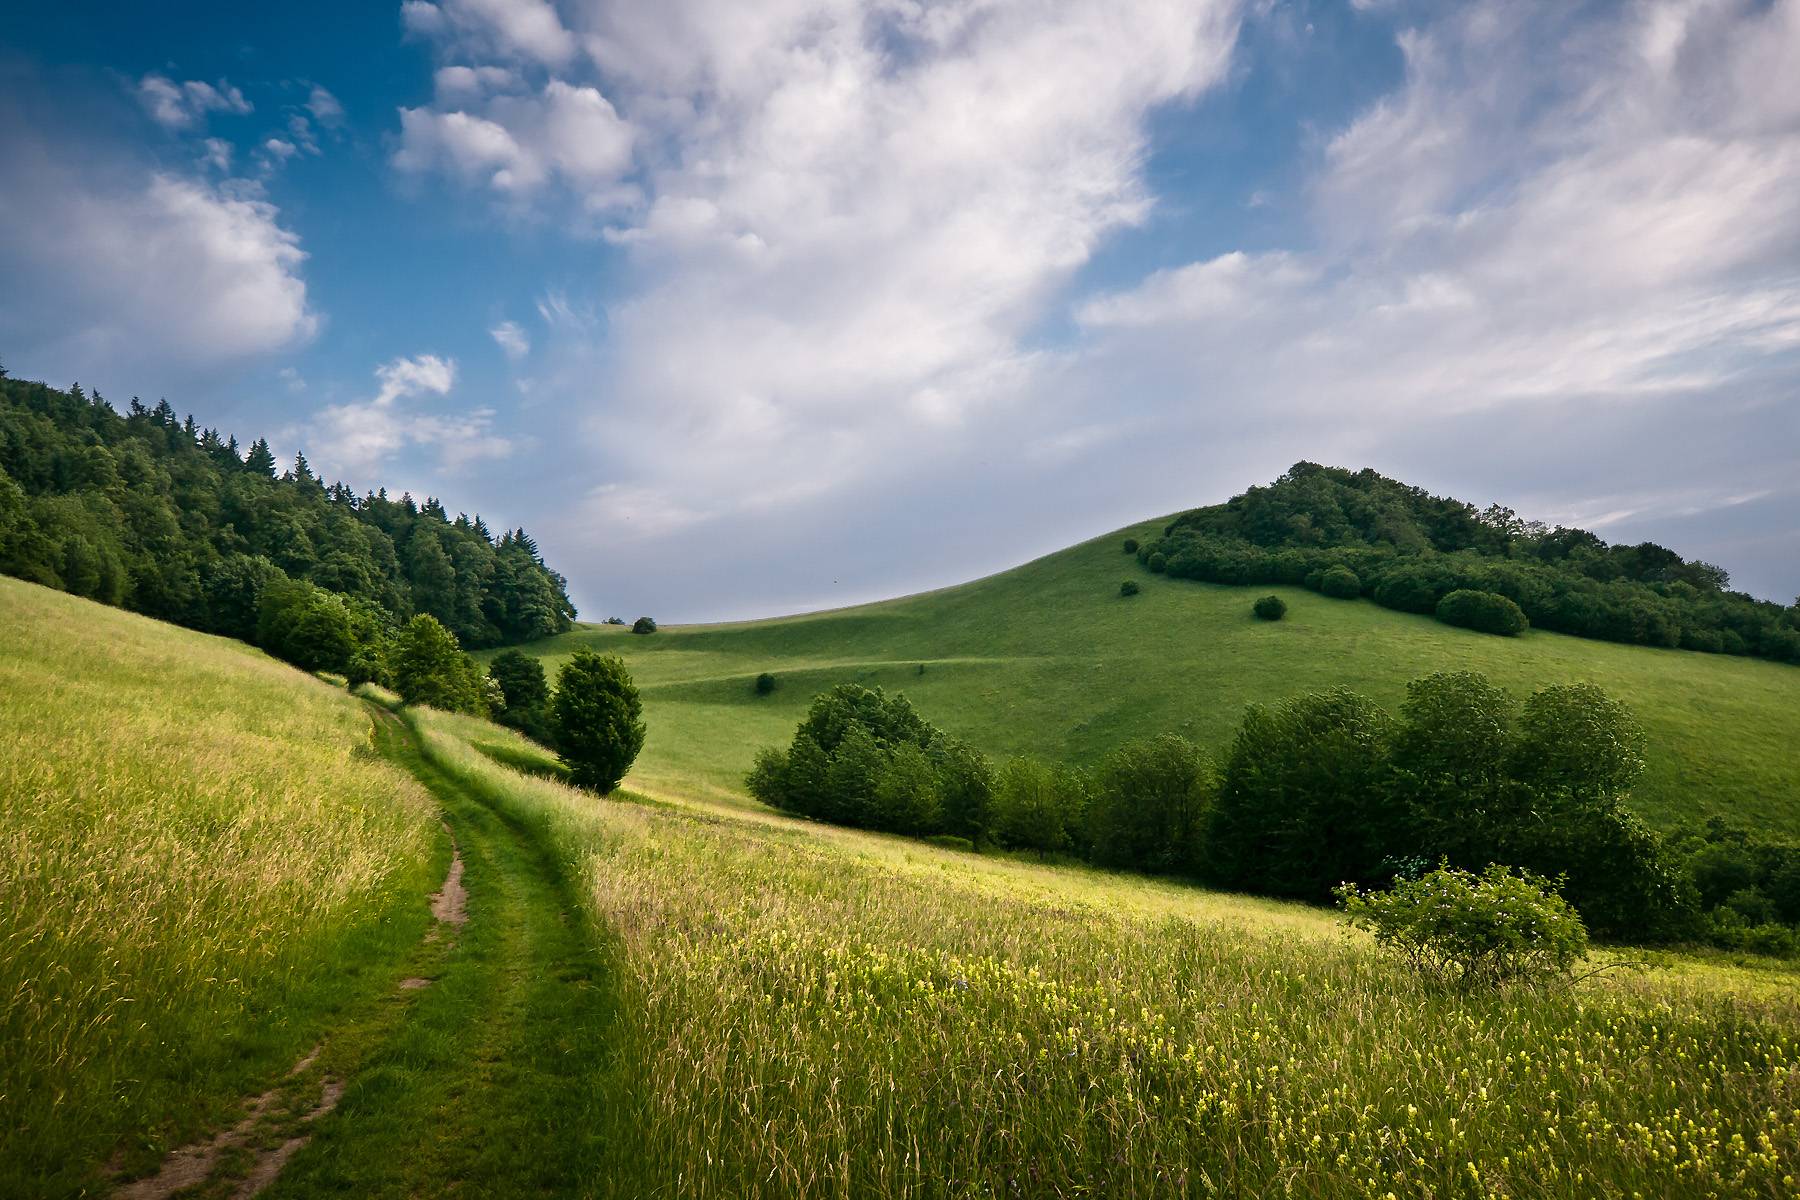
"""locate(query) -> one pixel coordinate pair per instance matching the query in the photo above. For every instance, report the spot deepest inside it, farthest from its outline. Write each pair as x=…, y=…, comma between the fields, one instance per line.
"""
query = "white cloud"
x=510, y=337
x=325, y=107
x=360, y=438
x=177, y=106
x=218, y=155
x=519, y=143
x=523, y=29
x=126, y=268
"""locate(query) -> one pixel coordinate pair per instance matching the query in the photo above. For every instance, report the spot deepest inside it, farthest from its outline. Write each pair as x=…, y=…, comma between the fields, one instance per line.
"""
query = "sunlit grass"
x=198, y=854
x=820, y=1012
x=1048, y=660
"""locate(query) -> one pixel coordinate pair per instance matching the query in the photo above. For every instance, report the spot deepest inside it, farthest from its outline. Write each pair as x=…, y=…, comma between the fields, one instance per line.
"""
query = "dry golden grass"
x=197, y=853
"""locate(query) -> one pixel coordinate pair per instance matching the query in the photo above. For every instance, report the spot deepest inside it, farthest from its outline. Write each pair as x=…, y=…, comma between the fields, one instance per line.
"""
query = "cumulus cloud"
x=523, y=29
x=358, y=439
x=519, y=143
x=178, y=106
x=510, y=337
x=121, y=270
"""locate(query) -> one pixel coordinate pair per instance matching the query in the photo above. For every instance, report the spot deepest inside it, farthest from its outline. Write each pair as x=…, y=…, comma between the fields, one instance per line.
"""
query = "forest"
x=1359, y=533
x=147, y=511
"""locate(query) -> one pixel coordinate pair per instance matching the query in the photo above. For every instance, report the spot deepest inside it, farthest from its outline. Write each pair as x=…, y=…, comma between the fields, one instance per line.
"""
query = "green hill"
x=1048, y=659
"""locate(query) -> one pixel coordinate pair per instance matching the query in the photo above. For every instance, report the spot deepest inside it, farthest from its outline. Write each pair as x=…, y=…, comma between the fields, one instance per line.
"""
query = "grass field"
x=200, y=864
x=1049, y=660
x=814, y=1011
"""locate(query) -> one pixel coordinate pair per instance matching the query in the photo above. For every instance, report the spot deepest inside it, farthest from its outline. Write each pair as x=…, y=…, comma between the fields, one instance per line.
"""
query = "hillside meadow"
x=813, y=1011
x=1049, y=660
x=200, y=861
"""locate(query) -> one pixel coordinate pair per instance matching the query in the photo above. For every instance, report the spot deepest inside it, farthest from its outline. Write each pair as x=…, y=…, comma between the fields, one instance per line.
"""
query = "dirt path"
x=480, y=1076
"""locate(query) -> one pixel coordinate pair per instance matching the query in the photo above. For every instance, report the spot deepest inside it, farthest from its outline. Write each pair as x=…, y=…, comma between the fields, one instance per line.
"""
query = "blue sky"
x=749, y=307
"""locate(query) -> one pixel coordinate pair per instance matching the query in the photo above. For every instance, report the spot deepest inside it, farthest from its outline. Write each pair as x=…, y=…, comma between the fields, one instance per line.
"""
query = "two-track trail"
x=482, y=1074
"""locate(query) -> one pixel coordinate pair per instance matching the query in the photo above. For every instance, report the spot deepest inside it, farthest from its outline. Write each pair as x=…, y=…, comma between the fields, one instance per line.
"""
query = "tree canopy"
x=150, y=512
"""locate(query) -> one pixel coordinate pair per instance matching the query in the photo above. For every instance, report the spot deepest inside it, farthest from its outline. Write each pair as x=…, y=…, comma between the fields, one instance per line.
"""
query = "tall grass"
x=826, y=1013
x=198, y=854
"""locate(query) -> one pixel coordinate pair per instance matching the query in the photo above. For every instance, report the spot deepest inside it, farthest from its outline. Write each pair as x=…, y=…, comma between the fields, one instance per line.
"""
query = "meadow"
x=1048, y=660
x=201, y=863
x=814, y=1011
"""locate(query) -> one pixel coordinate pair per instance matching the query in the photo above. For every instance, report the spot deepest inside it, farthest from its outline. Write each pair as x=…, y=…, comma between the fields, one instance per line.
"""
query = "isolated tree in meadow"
x=644, y=625
x=430, y=668
x=1270, y=608
x=596, y=717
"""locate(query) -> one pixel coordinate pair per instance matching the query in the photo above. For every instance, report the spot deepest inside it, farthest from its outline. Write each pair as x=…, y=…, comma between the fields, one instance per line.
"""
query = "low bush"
x=643, y=625
x=950, y=841
x=1159, y=562
x=1128, y=588
x=1131, y=545
x=1340, y=583
x=1485, y=612
x=1470, y=931
x=1270, y=608
x=765, y=683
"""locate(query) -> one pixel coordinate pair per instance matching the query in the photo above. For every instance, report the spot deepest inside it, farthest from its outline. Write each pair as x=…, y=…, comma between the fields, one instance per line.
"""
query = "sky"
x=744, y=307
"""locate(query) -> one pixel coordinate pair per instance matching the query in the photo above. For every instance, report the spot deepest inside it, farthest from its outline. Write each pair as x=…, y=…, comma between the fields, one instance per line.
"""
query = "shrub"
x=1270, y=608
x=1485, y=612
x=1128, y=588
x=643, y=625
x=765, y=683
x=949, y=841
x=1159, y=562
x=1131, y=545
x=431, y=669
x=1464, y=930
x=597, y=719
x=615, y=620
x=1340, y=583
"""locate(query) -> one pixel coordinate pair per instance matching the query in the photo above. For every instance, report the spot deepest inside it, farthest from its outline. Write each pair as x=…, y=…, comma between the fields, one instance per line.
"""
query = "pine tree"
x=261, y=460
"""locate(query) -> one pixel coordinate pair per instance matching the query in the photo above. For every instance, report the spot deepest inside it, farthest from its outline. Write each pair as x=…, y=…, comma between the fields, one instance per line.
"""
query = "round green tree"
x=1270, y=608
x=597, y=718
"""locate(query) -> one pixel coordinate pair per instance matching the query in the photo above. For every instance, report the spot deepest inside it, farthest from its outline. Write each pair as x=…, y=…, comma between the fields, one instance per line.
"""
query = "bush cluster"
x=1485, y=612
x=1314, y=793
x=1408, y=551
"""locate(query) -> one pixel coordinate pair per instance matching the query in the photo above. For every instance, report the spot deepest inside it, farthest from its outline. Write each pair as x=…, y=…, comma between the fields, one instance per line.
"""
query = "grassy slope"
x=200, y=865
x=1048, y=660
x=815, y=1011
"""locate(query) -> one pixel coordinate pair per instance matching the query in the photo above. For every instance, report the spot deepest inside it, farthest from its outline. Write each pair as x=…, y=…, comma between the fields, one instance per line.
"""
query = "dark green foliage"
x=765, y=683
x=1131, y=545
x=1340, y=583
x=1410, y=550
x=596, y=717
x=1158, y=562
x=430, y=668
x=1270, y=608
x=1128, y=588
x=305, y=625
x=1449, y=763
x=1484, y=612
x=154, y=514
x=1302, y=804
x=524, y=693
x=1037, y=807
x=643, y=625
x=1467, y=931
x=615, y=620
x=965, y=786
x=1150, y=806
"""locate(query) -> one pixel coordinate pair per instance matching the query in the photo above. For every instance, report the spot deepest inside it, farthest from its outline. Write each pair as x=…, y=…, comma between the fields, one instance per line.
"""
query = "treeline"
x=149, y=512
x=1359, y=533
x=1315, y=792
